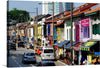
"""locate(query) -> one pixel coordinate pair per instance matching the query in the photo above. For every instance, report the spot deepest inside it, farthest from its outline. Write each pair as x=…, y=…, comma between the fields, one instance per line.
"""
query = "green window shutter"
x=99, y=28
x=93, y=29
x=68, y=24
x=96, y=28
x=95, y=19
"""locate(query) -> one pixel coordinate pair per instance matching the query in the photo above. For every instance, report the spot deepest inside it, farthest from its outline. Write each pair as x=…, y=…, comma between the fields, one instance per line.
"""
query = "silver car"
x=29, y=57
x=47, y=53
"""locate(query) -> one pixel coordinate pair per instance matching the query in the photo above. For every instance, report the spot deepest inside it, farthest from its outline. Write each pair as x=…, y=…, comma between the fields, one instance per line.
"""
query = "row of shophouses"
x=86, y=32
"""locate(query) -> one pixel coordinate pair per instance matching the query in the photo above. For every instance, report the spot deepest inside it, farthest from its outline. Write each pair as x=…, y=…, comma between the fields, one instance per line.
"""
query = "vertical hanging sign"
x=85, y=22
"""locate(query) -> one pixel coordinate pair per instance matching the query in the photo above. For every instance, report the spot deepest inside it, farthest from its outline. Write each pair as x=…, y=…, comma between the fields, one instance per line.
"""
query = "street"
x=15, y=58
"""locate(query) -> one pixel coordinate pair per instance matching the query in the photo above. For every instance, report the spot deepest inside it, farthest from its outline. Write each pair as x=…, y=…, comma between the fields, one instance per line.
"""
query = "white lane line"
x=17, y=62
x=61, y=62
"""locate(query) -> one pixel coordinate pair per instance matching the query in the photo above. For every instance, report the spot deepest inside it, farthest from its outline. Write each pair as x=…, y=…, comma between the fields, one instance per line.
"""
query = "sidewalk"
x=64, y=61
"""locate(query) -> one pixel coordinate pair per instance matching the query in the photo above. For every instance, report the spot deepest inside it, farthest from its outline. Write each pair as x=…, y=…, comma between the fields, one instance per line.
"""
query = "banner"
x=55, y=33
x=58, y=33
x=85, y=22
x=49, y=29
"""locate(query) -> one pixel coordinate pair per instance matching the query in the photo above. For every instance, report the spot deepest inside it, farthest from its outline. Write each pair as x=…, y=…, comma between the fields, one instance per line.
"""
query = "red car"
x=39, y=50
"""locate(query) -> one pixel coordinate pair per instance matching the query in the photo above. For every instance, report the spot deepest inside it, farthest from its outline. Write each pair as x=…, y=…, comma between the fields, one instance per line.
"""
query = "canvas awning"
x=68, y=46
x=91, y=14
x=76, y=47
x=87, y=45
x=62, y=43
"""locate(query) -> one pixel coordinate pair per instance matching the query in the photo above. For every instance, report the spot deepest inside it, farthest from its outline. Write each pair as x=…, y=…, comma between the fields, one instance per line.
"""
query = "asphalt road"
x=15, y=58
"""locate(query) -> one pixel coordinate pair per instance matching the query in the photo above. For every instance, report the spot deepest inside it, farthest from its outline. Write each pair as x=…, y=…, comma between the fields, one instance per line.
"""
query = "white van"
x=47, y=53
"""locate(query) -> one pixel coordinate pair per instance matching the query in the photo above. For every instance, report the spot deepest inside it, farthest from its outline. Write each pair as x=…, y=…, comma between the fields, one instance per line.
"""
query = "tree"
x=18, y=15
x=31, y=19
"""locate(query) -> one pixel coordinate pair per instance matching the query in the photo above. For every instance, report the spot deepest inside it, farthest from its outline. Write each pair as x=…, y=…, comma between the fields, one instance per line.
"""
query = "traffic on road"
x=22, y=56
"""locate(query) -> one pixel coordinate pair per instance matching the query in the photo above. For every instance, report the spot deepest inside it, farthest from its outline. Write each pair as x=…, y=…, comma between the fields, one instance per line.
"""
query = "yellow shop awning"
x=86, y=46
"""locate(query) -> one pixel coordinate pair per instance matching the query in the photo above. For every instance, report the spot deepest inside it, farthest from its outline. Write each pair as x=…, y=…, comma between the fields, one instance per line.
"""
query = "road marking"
x=13, y=57
x=61, y=62
x=17, y=63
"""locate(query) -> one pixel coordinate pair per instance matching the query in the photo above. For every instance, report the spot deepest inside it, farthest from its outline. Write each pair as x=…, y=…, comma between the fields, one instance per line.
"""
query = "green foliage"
x=18, y=15
x=31, y=19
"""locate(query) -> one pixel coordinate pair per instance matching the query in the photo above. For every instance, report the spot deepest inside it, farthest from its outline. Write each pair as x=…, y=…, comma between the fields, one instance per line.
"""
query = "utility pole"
x=37, y=23
x=71, y=32
x=53, y=25
x=53, y=20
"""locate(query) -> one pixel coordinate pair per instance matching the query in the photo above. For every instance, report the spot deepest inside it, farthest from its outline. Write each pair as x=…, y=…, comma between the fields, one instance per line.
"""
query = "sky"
x=30, y=6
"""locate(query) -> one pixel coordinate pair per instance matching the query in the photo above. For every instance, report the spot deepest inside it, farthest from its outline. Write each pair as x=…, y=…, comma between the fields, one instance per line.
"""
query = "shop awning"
x=68, y=46
x=77, y=46
x=62, y=43
x=91, y=14
x=87, y=45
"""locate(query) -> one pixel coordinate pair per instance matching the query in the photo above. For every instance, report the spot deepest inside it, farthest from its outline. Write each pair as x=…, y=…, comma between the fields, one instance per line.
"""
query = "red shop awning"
x=76, y=47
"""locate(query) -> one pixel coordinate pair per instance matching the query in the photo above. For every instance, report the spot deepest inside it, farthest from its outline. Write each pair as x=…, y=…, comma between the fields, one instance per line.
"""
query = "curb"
x=62, y=62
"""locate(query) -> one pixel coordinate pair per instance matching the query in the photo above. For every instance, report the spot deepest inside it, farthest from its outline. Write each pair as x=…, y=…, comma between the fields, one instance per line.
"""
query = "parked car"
x=21, y=44
x=29, y=46
x=11, y=45
x=47, y=53
x=46, y=63
x=29, y=57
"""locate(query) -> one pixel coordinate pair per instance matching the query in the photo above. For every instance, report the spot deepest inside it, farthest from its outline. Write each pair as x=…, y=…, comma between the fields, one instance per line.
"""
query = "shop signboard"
x=85, y=22
x=35, y=30
x=55, y=33
x=48, y=29
x=26, y=32
x=96, y=53
x=58, y=33
x=39, y=31
x=51, y=29
x=13, y=32
x=77, y=23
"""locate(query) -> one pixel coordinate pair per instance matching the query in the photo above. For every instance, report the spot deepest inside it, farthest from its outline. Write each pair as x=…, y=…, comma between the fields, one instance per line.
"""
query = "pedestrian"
x=82, y=59
x=76, y=61
x=97, y=62
x=92, y=63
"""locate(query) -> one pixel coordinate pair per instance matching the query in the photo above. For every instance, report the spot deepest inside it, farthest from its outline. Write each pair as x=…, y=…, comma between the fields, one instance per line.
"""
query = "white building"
x=58, y=7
